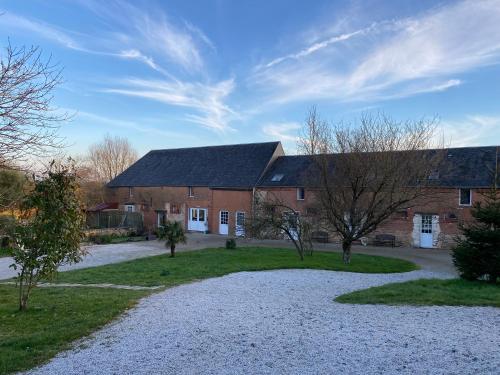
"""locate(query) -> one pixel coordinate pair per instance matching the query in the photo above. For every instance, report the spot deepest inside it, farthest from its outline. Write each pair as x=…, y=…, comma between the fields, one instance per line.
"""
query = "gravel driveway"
x=285, y=322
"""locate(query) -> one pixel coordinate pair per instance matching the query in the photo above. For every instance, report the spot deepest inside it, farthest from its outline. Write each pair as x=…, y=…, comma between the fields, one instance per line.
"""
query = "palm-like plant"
x=173, y=233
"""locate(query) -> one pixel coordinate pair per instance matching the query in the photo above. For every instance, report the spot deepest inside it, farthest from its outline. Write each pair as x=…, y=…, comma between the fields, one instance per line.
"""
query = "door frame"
x=427, y=231
x=224, y=228
x=197, y=225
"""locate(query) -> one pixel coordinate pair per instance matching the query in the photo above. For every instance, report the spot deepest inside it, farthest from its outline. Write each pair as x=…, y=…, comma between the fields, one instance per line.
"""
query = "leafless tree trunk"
x=111, y=157
x=28, y=122
x=369, y=172
x=273, y=218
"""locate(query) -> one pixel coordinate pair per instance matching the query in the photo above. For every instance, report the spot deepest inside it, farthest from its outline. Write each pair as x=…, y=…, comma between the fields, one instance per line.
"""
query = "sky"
x=183, y=73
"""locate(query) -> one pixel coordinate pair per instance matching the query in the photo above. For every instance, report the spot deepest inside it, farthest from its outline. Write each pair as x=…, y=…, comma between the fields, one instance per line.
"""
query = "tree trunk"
x=172, y=251
x=346, y=251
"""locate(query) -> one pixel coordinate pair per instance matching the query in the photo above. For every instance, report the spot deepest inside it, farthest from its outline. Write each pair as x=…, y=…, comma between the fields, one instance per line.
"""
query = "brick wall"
x=149, y=200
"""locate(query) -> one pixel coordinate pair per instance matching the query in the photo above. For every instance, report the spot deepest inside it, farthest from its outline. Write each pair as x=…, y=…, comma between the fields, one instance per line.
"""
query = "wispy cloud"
x=286, y=131
x=415, y=55
x=131, y=33
x=47, y=31
x=206, y=100
x=320, y=45
x=473, y=130
x=151, y=30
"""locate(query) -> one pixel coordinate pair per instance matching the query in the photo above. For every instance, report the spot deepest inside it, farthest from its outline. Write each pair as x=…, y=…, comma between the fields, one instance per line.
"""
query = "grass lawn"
x=428, y=292
x=4, y=252
x=201, y=264
x=56, y=317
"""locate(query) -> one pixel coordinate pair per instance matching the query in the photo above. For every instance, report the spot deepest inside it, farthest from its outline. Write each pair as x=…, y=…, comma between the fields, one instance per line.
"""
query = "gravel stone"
x=286, y=322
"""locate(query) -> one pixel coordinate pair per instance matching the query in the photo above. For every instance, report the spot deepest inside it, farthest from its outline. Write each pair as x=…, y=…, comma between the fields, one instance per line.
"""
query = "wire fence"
x=114, y=219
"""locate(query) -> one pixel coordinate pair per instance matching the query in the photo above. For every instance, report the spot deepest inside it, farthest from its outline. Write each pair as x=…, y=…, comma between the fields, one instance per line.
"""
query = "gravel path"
x=285, y=322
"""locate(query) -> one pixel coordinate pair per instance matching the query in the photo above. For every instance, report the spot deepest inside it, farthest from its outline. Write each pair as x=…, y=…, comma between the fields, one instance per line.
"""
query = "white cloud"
x=283, y=131
x=474, y=130
x=125, y=124
x=130, y=30
x=150, y=29
x=413, y=56
x=13, y=21
x=206, y=100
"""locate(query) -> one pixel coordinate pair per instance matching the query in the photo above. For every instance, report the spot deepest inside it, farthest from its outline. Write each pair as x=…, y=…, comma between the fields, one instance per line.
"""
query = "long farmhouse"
x=211, y=189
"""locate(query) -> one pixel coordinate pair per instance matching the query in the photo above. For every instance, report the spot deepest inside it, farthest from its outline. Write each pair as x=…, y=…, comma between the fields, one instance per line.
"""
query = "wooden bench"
x=385, y=240
x=320, y=236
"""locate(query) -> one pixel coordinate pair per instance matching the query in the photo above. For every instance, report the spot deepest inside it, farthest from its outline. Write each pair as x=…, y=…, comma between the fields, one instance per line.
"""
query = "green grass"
x=428, y=292
x=4, y=252
x=201, y=264
x=56, y=317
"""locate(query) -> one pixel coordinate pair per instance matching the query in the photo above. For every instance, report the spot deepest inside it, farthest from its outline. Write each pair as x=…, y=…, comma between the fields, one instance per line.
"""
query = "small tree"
x=363, y=174
x=49, y=231
x=272, y=218
x=477, y=255
x=12, y=186
x=173, y=233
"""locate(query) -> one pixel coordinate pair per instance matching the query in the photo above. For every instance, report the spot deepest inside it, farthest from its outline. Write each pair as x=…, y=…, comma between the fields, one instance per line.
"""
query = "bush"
x=477, y=255
x=101, y=239
x=231, y=244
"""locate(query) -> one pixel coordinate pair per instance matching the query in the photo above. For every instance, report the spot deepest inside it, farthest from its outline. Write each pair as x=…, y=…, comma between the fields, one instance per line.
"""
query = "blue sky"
x=188, y=73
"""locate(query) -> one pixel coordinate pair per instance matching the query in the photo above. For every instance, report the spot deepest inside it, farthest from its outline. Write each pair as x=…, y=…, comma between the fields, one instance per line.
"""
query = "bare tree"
x=28, y=122
x=273, y=218
x=373, y=170
x=111, y=157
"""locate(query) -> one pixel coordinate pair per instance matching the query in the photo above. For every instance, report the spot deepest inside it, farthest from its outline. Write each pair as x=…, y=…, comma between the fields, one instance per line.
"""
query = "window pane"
x=194, y=214
x=201, y=215
x=465, y=196
x=240, y=218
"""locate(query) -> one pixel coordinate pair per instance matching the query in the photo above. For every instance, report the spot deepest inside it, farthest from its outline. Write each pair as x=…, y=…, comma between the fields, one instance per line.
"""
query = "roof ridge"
x=215, y=146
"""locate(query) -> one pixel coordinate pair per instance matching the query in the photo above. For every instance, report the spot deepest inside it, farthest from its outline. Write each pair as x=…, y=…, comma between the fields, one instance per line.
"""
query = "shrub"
x=477, y=255
x=231, y=244
x=173, y=233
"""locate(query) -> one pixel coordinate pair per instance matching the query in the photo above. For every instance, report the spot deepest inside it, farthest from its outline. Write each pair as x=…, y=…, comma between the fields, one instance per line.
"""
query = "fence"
x=114, y=219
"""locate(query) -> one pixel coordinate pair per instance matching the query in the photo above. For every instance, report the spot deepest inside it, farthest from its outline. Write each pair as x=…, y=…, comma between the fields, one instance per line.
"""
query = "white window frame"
x=299, y=190
x=190, y=192
x=129, y=207
x=460, y=197
x=239, y=230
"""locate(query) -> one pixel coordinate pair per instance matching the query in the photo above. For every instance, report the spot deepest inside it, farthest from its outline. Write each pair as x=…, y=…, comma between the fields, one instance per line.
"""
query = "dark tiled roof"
x=295, y=170
x=461, y=167
x=231, y=166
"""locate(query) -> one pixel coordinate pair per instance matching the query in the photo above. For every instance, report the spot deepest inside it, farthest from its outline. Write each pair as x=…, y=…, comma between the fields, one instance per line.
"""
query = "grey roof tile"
x=229, y=166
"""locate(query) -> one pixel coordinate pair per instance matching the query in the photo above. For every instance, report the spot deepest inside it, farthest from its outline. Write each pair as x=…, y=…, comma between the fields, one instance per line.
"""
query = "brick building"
x=212, y=189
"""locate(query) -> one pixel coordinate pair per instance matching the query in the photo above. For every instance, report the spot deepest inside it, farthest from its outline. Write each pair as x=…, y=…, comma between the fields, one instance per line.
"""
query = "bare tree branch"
x=369, y=172
x=28, y=122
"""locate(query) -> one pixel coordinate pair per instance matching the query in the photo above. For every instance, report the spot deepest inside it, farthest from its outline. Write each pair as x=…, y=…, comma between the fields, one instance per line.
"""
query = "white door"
x=240, y=224
x=224, y=222
x=197, y=220
x=426, y=232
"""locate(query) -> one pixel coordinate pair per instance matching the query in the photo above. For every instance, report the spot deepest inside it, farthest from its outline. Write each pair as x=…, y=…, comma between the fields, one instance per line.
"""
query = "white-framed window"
x=277, y=177
x=129, y=208
x=190, y=191
x=239, y=229
x=224, y=217
x=161, y=218
x=465, y=197
x=301, y=194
